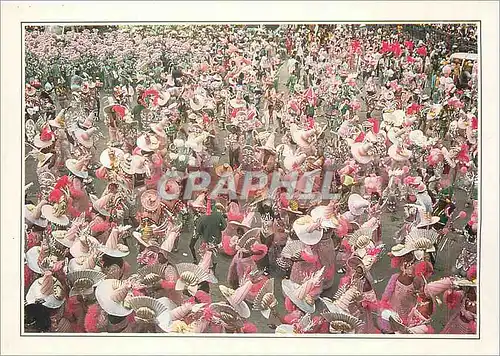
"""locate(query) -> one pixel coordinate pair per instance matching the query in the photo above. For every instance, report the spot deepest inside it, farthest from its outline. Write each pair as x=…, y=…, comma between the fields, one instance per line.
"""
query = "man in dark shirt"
x=209, y=227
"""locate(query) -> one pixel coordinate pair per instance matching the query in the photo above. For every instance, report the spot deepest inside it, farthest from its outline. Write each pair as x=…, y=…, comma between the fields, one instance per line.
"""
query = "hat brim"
x=32, y=259
x=396, y=156
x=63, y=241
x=34, y=294
x=76, y=250
x=48, y=213
x=42, y=144
x=73, y=266
x=138, y=237
x=105, y=159
x=113, y=252
x=85, y=143
x=29, y=216
x=103, y=295
x=359, y=158
x=319, y=213
x=289, y=289
x=428, y=222
x=71, y=165
x=235, y=104
x=141, y=143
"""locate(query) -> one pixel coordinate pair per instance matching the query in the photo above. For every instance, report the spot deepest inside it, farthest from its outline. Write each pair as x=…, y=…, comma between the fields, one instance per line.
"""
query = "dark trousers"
x=234, y=156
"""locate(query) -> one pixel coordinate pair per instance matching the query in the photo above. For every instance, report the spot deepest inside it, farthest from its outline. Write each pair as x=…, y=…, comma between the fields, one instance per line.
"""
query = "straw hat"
x=83, y=282
x=329, y=219
x=33, y=214
x=265, y=300
x=151, y=311
x=111, y=295
x=308, y=230
x=150, y=200
x=110, y=156
x=236, y=298
x=78, y=167
x=361, y=241
x=342, y=323
x=362, y=152
x=190, y=276
x=301, y=294
x=148, y=143
x=85, y=137
x=46, y=289
x=59, y=120
x=417, y=241
x=223, y=169
x=112, y=247
x=39, y=260
x=357, y=204
x=84, y=262
x=426, y=218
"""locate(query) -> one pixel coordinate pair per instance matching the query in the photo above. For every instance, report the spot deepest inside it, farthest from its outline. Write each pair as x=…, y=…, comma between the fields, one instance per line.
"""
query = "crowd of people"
x=279, y=147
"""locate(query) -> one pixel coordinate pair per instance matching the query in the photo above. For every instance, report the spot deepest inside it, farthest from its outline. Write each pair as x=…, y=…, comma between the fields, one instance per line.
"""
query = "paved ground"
x=381, y=271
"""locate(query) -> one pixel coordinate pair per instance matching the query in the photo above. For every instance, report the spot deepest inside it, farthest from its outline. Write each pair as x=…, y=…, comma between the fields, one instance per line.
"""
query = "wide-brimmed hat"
x=395, y=118
x=199, y=202
x=59, y=120
x=248, y=222
x=78, y=166
x=302, y=137
x=426, y=218
x=329, y=219
x=151, y=311
x=223, y=169
x=146, y=236
x=37, y=264
x=190, y=276
x=112, y=247
x=237, y=102
x=148, y=143
x=47, y=290
x=357, y=204
x=265, y=300
x=111, y=295
x=150, y=200
x=85, y=137
x=56, y=213
x=269, y=145
x=110, y=157
x=33, y=214
x=303, y=295
x=84, y=244
x=291, y=162
x=195, y=142
x=197, y=102
x=43, y=158
x=236, y=298
x=45, y=139
x=159, y=127
x=418, y=241
x=308, y=230
x=342, y=323
x=361, y=241
x=139, y=165
x=83, y=282
x=84, y=262
x=399, y=153
x=65, y=237
x=362, y=152
x=103, y=204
